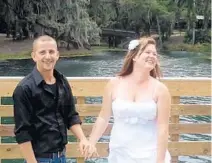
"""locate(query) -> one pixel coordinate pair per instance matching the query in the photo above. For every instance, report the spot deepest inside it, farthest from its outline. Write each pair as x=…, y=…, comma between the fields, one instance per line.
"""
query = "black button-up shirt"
x=40, y=115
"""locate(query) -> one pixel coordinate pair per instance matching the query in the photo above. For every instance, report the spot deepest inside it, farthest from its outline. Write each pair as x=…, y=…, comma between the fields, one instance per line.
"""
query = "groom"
x=44, y=108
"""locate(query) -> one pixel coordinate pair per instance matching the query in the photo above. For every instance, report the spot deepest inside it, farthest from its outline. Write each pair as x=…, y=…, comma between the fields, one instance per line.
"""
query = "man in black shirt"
x=44, y=108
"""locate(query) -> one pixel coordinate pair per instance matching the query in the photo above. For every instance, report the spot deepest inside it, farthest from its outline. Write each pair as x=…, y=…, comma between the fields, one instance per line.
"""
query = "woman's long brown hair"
x=127, y=67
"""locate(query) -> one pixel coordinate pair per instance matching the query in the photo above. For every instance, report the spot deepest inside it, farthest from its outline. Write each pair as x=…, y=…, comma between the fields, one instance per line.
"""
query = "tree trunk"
x=8, y=30
x=159, y=32
x=206, y=15
x=193, y=22
x=137, y=31
x=174, y=19
x=116, y=6
x=189, y=20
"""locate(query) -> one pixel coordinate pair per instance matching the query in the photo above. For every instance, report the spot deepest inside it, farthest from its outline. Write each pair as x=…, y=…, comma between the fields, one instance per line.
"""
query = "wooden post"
x=80, y=100
x=175, y=119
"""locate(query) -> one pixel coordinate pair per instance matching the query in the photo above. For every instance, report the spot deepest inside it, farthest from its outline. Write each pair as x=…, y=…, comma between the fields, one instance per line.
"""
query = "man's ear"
x=33, y=56
x=58, y=55
x=157, y=62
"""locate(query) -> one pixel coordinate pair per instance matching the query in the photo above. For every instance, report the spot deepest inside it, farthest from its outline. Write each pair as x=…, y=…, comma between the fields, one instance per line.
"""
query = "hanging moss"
x=63, y=19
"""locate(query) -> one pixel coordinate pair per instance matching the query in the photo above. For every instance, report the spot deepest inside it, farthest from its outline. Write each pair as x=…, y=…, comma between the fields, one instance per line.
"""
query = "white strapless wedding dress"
x=134, y=133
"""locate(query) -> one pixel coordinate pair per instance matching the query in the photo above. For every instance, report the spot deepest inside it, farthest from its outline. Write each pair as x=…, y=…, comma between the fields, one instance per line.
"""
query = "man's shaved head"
x=43, y=39
x=45, y=53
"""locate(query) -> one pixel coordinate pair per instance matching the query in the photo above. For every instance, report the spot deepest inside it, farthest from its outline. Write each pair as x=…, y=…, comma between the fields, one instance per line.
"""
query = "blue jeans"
x=55, y=159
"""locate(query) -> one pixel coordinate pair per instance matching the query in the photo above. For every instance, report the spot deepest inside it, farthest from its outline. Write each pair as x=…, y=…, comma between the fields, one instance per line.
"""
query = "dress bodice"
x=134, y=120
x=129, y=112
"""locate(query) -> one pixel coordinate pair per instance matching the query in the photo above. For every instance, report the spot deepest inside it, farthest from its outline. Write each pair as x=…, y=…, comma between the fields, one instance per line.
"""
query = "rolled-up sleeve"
x=22, y=115
x=73, y=115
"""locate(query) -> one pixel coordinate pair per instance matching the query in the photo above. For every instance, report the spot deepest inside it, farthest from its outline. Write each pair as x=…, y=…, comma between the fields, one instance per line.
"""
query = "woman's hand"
x=90, y=151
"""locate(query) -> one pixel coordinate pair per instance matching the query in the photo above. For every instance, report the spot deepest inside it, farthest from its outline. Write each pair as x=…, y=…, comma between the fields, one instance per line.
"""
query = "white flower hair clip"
x=133, y=44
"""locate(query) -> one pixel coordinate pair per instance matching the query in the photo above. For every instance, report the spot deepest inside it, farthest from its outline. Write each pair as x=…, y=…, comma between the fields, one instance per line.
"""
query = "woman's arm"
x=164, y=105
x=104, y=115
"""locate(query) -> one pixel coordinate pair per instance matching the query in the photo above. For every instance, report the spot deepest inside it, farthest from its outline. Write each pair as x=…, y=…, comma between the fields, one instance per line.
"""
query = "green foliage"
x=204, y=48
x=201, y=36
x=78, y=22
x=63, y=19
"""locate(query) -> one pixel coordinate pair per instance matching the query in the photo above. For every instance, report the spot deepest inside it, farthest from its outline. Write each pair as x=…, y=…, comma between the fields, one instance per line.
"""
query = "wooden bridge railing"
x=93, y=87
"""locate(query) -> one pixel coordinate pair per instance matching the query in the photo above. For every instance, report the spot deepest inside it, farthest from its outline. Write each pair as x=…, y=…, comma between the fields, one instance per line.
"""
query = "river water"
x=106, y=64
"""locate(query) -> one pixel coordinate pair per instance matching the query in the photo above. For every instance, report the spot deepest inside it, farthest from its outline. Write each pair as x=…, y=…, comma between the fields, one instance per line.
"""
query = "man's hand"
x=87, y=149
x=90, y=151
x=83, y=144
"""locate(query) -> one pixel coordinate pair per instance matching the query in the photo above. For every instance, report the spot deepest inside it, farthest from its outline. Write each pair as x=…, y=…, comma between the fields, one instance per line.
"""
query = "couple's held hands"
x=87, y=149
x=90, y=151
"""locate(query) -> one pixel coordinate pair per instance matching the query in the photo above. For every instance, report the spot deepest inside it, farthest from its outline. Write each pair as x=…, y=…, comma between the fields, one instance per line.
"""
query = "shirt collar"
x=38, y=77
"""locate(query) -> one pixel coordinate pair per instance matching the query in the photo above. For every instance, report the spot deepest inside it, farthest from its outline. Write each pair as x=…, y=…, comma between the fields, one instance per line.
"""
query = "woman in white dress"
x=140, y=105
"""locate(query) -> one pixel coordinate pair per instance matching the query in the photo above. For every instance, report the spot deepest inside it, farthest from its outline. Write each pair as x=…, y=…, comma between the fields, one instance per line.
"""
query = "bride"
x=140, y=105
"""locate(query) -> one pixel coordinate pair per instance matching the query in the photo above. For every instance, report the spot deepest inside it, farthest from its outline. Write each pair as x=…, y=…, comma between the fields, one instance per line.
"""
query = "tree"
x=66, y=20
x=194, y=8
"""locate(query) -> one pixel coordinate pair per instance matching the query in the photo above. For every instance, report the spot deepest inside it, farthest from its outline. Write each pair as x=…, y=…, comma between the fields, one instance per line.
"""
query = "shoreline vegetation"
x=63, y=53
x=22, y=50
x=205, y=49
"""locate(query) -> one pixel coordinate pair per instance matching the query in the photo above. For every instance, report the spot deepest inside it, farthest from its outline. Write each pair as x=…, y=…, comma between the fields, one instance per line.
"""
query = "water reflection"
x=108, y=64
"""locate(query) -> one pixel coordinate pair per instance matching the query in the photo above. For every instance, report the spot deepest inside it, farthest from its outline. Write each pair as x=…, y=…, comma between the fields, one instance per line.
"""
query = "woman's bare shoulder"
x=161, y=87
x=113, y=82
